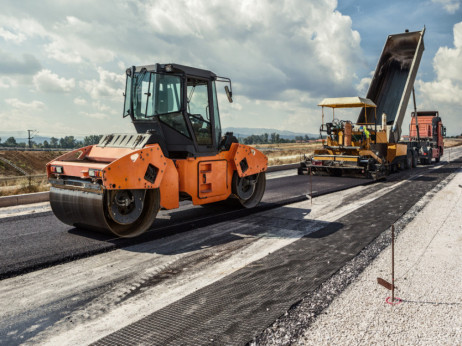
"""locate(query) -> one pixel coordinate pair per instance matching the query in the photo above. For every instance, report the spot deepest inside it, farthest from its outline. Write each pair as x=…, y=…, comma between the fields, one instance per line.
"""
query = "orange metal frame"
x=206, y=179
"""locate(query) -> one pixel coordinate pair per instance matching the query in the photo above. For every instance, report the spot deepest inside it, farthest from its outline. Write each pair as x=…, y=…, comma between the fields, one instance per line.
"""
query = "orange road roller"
x=177, y=153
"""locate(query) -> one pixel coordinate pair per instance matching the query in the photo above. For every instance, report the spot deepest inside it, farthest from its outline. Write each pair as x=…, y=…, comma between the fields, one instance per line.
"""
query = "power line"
x=29, y=136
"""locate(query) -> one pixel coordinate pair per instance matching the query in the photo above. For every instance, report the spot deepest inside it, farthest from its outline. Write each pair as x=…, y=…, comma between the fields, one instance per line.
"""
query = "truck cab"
x=426, y=133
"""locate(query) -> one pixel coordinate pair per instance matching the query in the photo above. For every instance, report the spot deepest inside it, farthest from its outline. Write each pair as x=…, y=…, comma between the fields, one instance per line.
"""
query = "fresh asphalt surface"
x=232, y=310
x=34, y=241
x=257, y=294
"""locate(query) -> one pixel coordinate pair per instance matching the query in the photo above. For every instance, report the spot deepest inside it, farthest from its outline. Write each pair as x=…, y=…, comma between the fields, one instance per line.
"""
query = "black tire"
x=241, y=186
x=415, y=158
x=336, y=172
x=408, y=160
x=151, y=206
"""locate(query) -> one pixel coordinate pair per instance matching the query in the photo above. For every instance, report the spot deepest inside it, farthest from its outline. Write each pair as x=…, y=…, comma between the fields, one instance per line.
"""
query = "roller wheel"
x=249, y=190
x=130, y=213
x=124, y=213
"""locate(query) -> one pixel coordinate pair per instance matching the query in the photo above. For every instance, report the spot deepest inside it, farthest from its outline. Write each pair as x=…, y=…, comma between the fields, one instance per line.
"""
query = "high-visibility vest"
x=366, y=132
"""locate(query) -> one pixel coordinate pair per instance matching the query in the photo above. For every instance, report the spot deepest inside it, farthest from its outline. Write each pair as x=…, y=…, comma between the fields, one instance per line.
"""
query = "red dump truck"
x=426, y=133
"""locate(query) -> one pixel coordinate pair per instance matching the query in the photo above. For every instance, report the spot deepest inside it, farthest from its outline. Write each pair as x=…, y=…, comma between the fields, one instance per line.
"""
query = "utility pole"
x=31, y=136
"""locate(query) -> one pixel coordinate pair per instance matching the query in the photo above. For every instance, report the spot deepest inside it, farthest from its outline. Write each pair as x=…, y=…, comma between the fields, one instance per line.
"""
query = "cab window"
x=199, y=111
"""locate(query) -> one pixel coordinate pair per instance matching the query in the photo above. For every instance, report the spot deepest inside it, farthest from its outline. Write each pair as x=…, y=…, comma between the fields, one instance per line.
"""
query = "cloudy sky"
x=62, y=62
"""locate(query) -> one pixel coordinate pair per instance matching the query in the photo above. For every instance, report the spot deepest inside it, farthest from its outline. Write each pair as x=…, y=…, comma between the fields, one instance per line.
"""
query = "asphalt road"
x=220, y=283
x=233, y=309
x=38, y=240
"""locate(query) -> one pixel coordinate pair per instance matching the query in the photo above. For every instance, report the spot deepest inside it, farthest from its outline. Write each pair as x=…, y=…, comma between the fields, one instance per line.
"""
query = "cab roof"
x=177, y=68
x=347, y=102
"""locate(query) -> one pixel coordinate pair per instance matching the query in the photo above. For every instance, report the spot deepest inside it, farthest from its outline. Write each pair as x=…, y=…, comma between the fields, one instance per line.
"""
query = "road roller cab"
x=177, y=153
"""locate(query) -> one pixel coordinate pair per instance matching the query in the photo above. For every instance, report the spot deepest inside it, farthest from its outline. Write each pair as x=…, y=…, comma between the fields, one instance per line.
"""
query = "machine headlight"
x=56, y=169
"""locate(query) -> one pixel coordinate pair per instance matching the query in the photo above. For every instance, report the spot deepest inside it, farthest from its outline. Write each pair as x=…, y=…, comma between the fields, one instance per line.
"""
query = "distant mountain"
x=246, y=132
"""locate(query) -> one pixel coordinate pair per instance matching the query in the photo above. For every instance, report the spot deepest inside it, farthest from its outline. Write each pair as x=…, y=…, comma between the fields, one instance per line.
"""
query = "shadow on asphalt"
x=285, y=224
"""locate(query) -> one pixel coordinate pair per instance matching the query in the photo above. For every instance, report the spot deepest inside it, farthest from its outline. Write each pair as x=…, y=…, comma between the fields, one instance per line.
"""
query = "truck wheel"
x=408, y=160
x=415, y=158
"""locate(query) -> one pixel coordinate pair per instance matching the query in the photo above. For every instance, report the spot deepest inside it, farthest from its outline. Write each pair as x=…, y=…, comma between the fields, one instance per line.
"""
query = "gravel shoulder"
x=428, y=268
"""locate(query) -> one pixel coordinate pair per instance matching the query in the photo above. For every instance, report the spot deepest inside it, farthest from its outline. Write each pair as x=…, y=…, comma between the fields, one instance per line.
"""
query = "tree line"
x=67, y=142
x=70, y=142
x=273, y=138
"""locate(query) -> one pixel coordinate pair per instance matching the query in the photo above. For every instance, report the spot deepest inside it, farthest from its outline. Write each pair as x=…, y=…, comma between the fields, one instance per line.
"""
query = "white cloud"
x=8, y=35
x=95, y=115
x=20, y=28
x=80, y=101
x=101, y=107
x=19, y=64
x=70, y=40
x=451, y=6
x=47, y=81
x=7, y=82
x=270, y=46
x=441, y=92
x=446, y=63
x=17, y=104
x=363, y=86
x=21, y=115
x=283, y=56
x=109, y=84
x=74, y=43
x=444, y=93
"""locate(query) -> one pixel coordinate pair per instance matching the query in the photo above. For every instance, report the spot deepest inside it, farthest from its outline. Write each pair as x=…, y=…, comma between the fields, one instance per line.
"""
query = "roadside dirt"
x=33, y=162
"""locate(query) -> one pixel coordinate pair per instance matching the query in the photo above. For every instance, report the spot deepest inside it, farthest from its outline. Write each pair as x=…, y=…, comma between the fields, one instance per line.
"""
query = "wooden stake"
x=392, y=263
x=311, y=188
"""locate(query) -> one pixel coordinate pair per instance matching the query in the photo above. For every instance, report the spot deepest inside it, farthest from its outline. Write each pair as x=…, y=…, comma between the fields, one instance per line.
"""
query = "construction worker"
x=365, y=131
